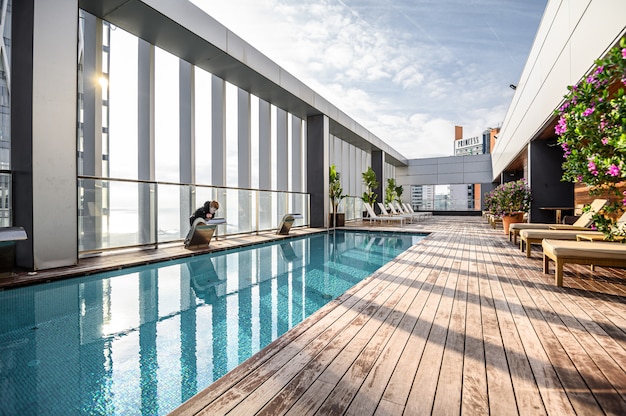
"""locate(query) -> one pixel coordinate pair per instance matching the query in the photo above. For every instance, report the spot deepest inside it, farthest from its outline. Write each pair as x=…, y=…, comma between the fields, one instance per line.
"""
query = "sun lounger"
x=528, y=237
x=405, y=211
x=581, y=252
x=582, y=223
x=394, y=212
x=410, y=209
x=374, y=217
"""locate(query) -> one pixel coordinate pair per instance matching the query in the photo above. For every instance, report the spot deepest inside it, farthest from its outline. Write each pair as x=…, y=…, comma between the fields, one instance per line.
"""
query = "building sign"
x=471, y=146
x=471, y=142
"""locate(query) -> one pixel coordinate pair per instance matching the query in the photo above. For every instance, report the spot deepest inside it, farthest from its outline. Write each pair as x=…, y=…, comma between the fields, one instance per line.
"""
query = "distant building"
x=477, y=145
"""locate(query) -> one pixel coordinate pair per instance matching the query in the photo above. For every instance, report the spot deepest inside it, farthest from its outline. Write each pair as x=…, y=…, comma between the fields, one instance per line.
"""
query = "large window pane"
x=203, y=126
x=166, y=108
x=123, y=86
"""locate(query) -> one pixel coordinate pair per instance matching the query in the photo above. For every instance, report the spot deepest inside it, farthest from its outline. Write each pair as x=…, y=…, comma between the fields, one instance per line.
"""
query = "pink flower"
x=613, y=170
x=624, y=53
x=561, y=127
x=605, y=140
x=591, y=167
x=588, y=111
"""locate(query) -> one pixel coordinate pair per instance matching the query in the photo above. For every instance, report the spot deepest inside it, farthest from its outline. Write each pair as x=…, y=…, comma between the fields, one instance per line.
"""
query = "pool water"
x=142, y=340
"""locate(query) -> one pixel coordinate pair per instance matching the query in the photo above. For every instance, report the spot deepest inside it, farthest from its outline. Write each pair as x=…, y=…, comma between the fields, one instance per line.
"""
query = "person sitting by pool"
x=206, y=211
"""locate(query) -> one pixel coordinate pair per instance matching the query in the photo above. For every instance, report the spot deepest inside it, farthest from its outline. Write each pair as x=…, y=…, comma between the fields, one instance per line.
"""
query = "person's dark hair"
x=207, y=206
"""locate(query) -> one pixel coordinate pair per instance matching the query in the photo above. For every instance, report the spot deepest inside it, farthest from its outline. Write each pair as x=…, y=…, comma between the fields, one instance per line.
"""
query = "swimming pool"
x=143, y=340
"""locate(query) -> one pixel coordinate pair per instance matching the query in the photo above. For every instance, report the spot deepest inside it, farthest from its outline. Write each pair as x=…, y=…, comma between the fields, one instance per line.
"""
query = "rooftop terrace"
x=461, y=321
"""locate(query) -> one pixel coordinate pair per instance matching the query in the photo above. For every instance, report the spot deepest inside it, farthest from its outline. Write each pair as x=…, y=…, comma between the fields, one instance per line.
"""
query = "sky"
x=407, y=70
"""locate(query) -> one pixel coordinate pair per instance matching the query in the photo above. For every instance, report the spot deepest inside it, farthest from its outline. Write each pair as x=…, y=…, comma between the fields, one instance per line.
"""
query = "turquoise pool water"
x=143, y=340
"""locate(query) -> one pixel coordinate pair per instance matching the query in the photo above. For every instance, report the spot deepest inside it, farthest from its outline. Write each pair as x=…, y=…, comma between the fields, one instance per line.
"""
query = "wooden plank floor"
x=462, y=323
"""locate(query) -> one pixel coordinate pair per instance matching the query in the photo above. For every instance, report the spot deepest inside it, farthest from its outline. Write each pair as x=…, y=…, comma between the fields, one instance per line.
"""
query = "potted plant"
x=335, y=192
x=592, y=134
x=399, y=191
x=370, y=182
x=510, y=201
x=391, y=193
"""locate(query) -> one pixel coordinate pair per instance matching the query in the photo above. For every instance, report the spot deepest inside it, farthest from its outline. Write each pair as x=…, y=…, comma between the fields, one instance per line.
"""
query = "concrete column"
x=318, y=134
x=43, y=119
x=265, y=146
x=145, y=141
x=282, y=151
x=378, y=165
x=92, y=97
x=90, y=159
x=218, y=127
x=296, y=154
x=244, y=162
x=187, y=165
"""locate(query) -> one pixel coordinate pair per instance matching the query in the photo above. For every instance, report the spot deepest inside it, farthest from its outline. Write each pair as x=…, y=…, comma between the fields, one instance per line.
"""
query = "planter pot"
x=510, y=219
x=341, y=219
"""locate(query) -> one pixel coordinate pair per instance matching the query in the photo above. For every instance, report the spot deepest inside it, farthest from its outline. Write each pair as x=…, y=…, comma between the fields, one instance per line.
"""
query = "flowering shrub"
x=509, y=198
x=592, y=133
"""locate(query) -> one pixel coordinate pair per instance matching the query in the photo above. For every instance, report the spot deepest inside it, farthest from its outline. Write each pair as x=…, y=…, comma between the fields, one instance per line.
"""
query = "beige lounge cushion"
x=529, y=226
x=583, y=249
x=555, y=234
x=568, y=227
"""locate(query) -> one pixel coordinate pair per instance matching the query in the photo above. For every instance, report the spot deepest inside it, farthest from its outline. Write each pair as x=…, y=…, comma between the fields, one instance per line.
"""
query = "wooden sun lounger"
x=583, y=222
x=536, y=236
x=607, y=254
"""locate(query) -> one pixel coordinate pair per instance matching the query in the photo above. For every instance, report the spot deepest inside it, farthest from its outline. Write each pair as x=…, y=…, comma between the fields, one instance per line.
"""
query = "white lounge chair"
x=393, y=213
x=404, y=211
x=374, y=217
x=411, y=210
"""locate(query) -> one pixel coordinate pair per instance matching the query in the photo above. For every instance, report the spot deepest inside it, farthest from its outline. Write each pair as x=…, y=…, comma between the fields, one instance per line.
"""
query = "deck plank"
x=474, y=389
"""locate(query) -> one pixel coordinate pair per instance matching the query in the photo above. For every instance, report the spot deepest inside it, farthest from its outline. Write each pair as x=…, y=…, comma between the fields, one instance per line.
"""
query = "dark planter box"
x=341, y=219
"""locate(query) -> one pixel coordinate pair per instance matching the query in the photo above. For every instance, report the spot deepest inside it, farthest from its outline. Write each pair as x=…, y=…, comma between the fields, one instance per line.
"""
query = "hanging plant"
x=592, y=133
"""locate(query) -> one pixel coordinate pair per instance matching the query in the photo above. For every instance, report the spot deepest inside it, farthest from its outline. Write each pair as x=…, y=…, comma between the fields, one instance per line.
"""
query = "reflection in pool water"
x=143, y=340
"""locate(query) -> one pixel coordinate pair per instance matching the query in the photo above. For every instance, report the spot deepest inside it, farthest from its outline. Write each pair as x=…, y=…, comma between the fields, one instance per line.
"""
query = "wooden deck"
x=462, y=323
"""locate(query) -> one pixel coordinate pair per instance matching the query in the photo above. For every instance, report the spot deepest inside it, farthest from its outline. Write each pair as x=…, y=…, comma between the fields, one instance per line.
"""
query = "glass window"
x=122, y=108
x=166, y=108
x=203, y=126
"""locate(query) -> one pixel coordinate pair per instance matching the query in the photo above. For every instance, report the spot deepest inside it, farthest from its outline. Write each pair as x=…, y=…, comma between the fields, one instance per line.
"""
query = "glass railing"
x=445, y=205
x=5, y=200
x=353, y=208
x=117, y=213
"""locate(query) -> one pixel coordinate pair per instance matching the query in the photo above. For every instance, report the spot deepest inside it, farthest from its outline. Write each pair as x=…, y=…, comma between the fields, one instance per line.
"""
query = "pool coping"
x=110, y=261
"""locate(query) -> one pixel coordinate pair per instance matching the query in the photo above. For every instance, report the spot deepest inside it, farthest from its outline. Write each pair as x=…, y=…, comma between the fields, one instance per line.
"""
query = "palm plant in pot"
x=369, y=179
x=510, y=201
x=335, y=192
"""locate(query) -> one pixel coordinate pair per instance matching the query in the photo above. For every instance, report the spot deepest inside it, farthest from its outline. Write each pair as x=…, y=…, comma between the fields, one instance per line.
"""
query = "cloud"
x=407, y=71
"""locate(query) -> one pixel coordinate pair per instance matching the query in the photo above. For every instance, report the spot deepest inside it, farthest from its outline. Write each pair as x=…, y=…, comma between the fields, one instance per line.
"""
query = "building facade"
x=124, y=117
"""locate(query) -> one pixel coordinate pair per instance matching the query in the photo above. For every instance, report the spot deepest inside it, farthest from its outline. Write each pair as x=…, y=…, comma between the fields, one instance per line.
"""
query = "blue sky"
x=407, y=70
